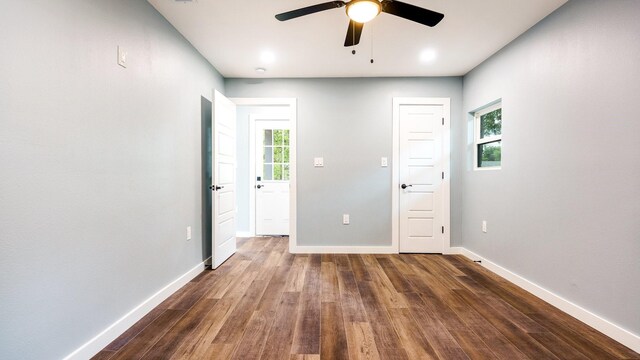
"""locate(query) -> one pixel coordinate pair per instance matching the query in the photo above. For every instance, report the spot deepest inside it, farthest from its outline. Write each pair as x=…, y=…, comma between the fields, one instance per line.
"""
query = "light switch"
x=122, y=57
x=318, y=162
x=345, y=219
x=188, y=232
x=384, y=162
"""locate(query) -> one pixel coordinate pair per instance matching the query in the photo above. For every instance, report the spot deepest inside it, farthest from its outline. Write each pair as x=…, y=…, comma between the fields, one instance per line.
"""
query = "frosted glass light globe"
x=363, y=10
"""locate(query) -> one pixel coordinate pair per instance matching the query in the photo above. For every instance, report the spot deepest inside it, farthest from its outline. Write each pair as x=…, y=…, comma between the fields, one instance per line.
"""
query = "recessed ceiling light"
x=428, y=55
x=267, y=57
x=261, y=70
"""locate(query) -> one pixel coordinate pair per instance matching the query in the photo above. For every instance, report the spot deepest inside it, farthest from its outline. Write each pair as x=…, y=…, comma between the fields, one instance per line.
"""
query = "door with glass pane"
x=272, y=177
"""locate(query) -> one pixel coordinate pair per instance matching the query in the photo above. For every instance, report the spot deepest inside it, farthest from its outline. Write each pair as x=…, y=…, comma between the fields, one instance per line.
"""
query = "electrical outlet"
x=484, y=226
x=188, y=233
x=318, y=162
x=345, y=219
x=384, y=162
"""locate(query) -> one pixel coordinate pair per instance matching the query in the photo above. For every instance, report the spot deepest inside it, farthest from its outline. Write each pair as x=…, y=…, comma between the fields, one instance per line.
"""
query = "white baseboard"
x=608, y=328
x=343, y=250
x=111, y=333
x=245, y=234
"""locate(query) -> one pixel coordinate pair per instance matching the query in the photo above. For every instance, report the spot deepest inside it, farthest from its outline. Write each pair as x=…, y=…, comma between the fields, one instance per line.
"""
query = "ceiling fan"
x=362, y=11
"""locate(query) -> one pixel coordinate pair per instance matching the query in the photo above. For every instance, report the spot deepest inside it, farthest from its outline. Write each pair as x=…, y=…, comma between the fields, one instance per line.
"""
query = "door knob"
x=404, y=186
x=214, y=188
x=259, y=186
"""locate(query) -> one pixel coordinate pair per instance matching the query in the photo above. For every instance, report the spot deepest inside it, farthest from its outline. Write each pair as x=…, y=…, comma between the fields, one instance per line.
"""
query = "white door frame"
x=292, y=104
x=446, y=167
x=252, y=161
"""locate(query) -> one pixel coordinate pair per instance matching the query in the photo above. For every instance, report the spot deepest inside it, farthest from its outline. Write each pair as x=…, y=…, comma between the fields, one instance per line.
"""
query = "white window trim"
x=478, y=141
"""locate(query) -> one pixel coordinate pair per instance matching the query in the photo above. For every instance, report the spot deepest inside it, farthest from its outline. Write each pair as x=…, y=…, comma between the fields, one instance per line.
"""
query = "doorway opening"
x=266, y=168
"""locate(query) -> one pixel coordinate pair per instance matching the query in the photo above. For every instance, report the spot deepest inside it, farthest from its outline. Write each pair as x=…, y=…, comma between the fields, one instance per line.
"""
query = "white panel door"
x=224, y=186
x=272, y=177
x=420, y=170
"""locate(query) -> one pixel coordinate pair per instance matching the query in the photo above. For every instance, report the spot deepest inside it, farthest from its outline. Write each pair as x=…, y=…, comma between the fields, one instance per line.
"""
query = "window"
x=488, y=137
x=276, y=155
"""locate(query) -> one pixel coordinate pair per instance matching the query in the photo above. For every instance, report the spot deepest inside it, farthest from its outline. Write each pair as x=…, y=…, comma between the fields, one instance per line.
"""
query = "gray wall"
x=348, y=122
x=242, y=157
x=564, y=210
x=100, y=167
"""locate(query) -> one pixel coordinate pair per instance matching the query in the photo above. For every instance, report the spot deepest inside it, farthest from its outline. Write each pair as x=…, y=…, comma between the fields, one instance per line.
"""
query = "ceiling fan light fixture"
x=363, y=11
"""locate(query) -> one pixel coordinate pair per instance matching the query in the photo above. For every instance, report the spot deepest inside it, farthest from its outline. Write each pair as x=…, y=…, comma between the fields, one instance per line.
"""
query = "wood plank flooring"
x=265, y=303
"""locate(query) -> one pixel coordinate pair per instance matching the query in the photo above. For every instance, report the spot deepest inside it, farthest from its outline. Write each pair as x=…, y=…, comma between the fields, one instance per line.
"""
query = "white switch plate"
x=345, y=219
x=318, y=162
x=188, y=232
x=384, y=162
x=122, y=57
x=484, y=226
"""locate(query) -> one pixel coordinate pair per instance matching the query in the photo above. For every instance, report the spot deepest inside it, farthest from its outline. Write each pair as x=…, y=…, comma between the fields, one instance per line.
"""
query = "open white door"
x=224, y=182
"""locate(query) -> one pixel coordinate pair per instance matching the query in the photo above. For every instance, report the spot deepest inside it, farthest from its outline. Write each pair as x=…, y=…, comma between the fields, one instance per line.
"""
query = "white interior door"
x=272, y=145
x=224, y=187
x=421, y=178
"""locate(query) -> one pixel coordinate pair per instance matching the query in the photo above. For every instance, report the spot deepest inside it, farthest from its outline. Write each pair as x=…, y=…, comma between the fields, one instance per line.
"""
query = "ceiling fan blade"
x=353, y=33
x=412, y=12
x=309, y=10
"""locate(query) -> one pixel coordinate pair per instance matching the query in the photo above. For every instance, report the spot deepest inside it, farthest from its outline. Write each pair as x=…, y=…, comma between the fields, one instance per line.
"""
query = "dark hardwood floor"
x=265, y=303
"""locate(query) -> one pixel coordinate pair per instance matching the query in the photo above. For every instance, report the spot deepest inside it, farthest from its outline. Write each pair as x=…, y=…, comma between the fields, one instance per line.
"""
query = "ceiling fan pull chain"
x=372, y=42
x=353, y=36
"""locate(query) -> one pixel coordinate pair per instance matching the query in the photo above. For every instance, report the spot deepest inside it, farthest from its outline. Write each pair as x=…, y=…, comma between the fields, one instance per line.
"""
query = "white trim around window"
x=477, y=140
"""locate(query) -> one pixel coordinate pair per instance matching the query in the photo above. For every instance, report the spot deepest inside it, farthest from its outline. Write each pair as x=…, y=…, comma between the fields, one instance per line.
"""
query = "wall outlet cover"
x=122, y=57
x=318, y=162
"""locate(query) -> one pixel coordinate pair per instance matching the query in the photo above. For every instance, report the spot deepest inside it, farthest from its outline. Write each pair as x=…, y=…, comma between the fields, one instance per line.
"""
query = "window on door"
x=275, y=155
x=488, y=137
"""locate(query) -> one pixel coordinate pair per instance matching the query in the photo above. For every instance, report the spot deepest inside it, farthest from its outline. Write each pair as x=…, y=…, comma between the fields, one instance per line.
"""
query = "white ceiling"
x=234, y=34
